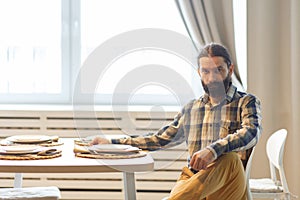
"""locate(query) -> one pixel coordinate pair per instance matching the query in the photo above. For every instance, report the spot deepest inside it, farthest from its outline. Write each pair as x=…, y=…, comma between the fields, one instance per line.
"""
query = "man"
x=220, y=129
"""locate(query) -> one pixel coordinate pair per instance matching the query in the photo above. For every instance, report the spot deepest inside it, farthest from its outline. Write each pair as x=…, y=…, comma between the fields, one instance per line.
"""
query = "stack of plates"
x=113, y=149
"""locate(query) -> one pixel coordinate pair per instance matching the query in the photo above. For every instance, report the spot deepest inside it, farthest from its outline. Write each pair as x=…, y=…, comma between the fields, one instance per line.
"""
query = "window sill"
x=49, y=107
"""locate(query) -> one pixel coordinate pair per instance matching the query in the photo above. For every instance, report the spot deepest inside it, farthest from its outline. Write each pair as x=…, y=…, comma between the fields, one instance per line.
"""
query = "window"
x=45, y=46
x=30, y=49
x=46, y=42
x=106, y=23
x=240, y=28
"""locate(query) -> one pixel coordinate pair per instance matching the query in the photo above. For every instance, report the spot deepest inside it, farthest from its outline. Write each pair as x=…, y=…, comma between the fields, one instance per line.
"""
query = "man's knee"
x=231, y=157
x=231, y=160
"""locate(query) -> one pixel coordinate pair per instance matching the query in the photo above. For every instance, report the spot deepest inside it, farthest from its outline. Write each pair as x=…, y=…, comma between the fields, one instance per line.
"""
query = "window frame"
x=66, y=60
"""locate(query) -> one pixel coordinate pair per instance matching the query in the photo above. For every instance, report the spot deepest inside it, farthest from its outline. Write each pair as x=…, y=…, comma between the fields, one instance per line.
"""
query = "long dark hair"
x=215, y=49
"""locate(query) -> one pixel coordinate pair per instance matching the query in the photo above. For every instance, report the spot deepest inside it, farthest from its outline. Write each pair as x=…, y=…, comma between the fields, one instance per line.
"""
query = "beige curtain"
x=210, y=21
x=273, y=75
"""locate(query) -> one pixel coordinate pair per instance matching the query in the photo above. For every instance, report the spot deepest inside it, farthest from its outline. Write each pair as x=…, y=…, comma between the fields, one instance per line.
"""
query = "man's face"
x=215, y=75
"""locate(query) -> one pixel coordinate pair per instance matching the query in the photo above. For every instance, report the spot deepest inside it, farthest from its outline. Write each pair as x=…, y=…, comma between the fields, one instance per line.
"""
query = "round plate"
x=113, y=148
x=110, y=147
x=19, y=149
x=28, y=138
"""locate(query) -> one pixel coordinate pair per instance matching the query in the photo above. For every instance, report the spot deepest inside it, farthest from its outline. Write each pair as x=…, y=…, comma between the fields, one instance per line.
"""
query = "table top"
x=69, y=163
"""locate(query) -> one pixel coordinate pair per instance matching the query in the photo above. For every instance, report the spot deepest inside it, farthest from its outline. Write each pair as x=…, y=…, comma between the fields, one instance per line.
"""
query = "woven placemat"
x=81, y=142
x=51, y=144
x=110, y=156
x=29, y=157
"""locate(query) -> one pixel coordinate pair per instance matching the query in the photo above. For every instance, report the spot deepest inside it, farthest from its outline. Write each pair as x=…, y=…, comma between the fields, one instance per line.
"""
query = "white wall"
x=273, y=75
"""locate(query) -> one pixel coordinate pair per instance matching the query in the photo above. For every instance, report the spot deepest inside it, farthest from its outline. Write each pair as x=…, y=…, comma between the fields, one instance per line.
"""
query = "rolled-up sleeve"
x=172, y=133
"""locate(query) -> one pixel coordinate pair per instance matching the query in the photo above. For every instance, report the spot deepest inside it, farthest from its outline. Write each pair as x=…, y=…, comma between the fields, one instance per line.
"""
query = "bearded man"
x=220, y=130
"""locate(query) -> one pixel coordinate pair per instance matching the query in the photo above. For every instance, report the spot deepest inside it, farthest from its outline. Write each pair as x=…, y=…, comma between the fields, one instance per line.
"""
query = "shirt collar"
x=229, y=95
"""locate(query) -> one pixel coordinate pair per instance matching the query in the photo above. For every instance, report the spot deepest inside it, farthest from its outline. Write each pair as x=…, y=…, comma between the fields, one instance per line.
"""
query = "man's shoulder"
x=247, y=96
x=191, y=104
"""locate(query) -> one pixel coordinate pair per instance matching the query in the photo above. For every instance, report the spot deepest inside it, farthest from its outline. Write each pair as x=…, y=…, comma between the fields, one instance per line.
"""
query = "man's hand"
x=100, y=140
x=201, y=159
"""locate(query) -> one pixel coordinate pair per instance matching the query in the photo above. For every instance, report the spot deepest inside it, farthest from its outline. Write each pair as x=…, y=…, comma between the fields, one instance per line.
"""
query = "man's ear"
x=198, y=70
x=231, y=69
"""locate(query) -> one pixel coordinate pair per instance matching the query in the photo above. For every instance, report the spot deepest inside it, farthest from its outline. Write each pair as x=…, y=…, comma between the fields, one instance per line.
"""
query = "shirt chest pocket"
x=228, y=127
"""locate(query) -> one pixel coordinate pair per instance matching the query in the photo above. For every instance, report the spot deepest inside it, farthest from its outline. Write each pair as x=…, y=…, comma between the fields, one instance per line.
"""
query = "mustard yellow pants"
x=224, y=179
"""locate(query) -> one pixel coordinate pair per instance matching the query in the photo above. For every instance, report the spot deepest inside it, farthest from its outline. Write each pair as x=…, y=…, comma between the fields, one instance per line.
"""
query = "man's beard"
x=218, y=88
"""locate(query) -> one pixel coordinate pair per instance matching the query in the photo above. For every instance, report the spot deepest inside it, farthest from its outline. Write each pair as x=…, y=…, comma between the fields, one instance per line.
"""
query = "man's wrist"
x=213, y=151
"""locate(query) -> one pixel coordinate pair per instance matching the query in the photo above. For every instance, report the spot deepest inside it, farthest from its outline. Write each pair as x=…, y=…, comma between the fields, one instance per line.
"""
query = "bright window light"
x=30, y=50
x=240, y=29
x=44, y=44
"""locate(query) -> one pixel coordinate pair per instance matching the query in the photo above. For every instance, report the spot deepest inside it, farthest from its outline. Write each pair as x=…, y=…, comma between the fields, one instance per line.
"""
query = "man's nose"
x=213, y=76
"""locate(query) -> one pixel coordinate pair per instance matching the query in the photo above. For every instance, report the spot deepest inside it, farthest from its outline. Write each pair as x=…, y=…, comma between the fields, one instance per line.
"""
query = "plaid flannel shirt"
x=232, y=125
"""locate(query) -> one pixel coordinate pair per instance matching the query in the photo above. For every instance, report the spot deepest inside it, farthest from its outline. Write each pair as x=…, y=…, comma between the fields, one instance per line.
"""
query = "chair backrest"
x=275, y=152
x=247, y=172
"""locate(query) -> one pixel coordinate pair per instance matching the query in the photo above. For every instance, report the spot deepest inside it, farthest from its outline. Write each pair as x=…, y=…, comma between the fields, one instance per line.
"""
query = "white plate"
x=112, y=148
x=28, y=138
x=19, y=149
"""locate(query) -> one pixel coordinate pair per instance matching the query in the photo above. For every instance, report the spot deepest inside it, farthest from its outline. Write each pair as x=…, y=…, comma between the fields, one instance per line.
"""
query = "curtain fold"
x=295, y=96
x=210, y=21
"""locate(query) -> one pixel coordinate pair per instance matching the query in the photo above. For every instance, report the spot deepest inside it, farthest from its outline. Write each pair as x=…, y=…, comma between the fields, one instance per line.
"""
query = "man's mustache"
x=215, y=84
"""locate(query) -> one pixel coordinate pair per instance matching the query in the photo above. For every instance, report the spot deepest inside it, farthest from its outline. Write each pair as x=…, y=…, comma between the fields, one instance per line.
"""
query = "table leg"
x=129, y=186
x=18, y=180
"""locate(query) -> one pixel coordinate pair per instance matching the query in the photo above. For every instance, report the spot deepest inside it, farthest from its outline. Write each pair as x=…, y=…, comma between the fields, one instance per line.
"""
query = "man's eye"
x=220, y=69
x=204, y=71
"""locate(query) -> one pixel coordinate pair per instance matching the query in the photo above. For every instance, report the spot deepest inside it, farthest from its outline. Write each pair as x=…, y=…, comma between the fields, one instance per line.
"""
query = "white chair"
x=273, y=187
x=30, y=193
